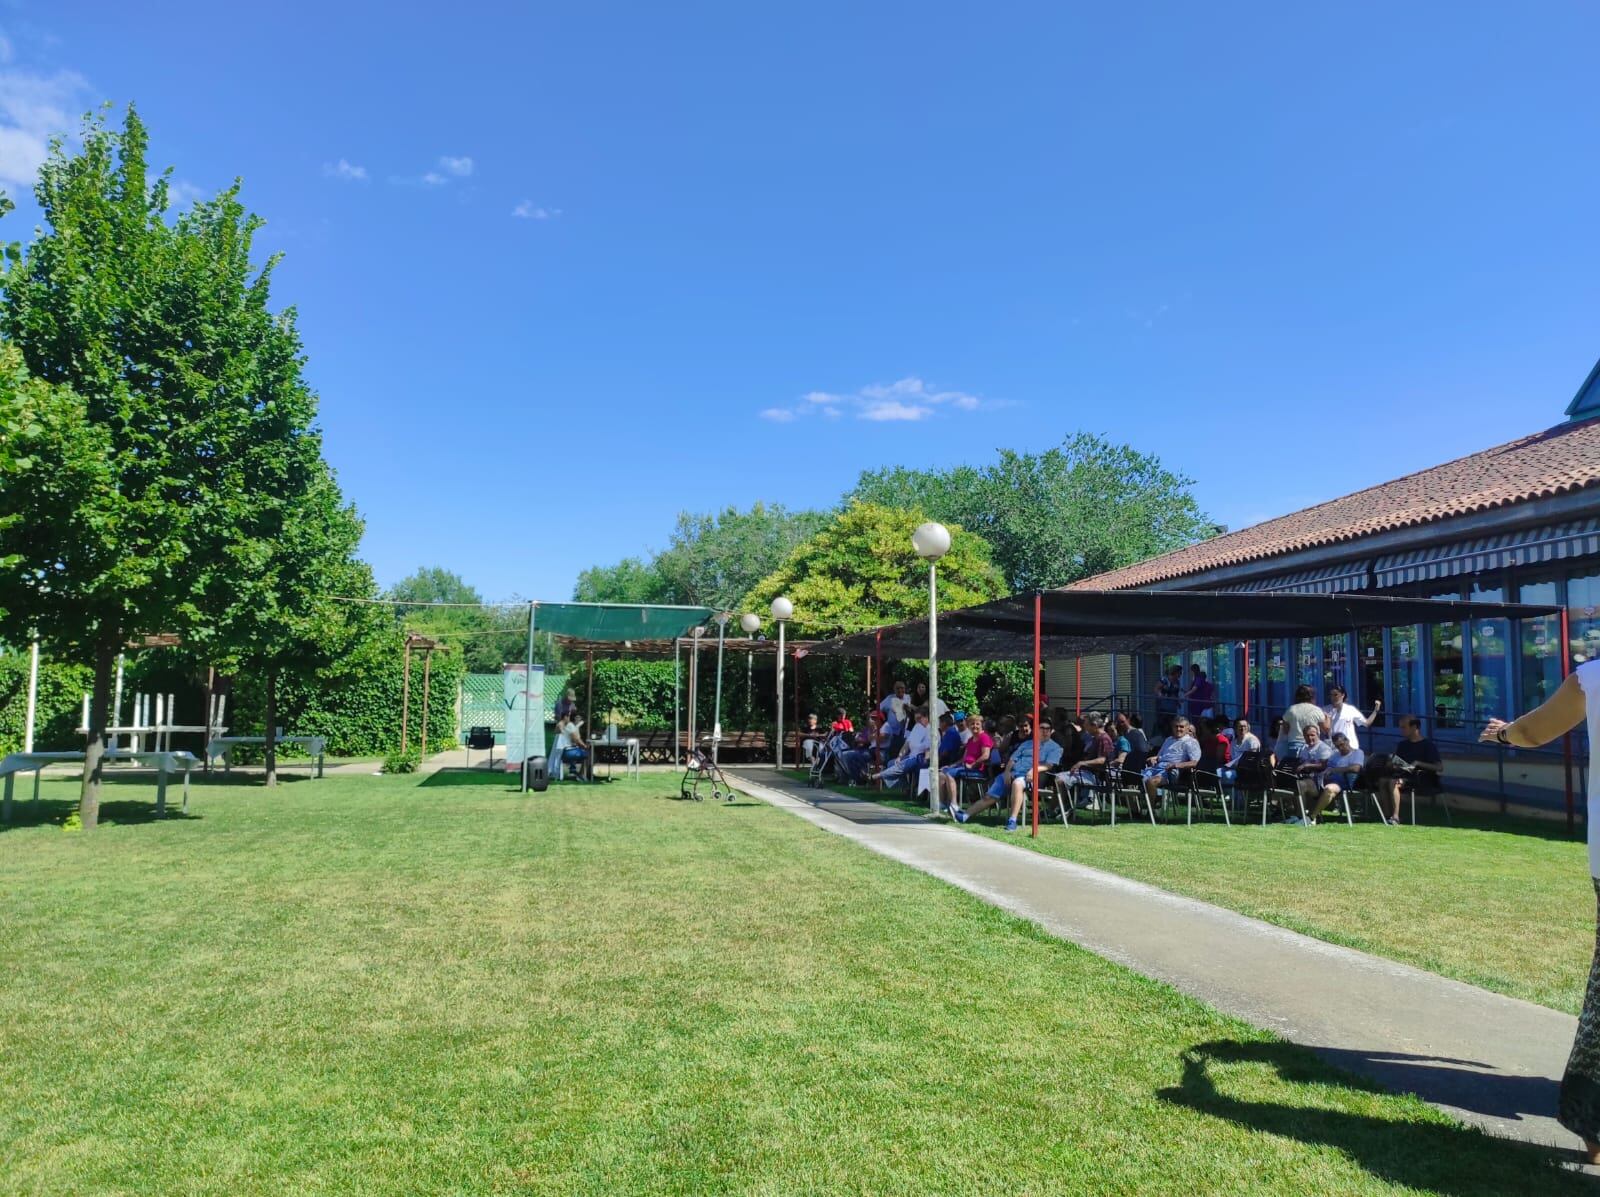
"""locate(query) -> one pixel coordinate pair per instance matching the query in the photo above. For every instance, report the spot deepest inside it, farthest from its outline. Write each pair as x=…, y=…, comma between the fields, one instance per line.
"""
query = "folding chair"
x=1205, y=786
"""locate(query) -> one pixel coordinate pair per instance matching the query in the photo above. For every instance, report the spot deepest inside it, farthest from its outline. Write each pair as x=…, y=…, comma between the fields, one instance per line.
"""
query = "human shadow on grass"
x=1435, y=1157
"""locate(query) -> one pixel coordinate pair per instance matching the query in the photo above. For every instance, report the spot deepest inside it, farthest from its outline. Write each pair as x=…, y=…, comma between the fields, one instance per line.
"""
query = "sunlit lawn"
x=1505, y=904
x=369, y=985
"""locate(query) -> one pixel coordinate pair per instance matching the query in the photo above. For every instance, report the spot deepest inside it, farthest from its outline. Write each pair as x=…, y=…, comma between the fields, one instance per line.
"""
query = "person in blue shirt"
x=950, y=742
x=1017, y=776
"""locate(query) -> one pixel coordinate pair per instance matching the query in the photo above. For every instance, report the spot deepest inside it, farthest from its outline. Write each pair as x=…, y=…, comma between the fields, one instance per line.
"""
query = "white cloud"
x=7, y=50
x=434, y=179
x=906, y=399
x=345, y=170
x=181, y=193
x=459, y=167
x=528, y=210
x=778, y=415
x=34, y=108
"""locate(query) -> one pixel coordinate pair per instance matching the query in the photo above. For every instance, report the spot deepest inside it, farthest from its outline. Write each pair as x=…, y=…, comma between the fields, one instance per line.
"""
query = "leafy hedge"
x=354, y=702
x=60, y=704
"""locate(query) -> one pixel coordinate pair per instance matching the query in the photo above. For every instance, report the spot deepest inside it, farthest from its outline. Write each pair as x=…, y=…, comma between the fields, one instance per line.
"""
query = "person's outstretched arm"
x=1560, y=713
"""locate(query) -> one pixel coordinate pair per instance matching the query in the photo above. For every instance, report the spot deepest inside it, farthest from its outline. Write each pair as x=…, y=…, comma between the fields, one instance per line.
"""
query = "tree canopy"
x=441, y=604
x=860, y=571
x=1082, y=508
x=710, y=561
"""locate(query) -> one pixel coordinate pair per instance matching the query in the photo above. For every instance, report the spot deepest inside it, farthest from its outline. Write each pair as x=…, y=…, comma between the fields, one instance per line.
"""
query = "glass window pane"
x=1491, y=659
x=1224, y=673
x=1447, y=679
x=1308, y=662
x=1583, y=617
x=1405, y=671
x=1541, y=649
x=1277, y=696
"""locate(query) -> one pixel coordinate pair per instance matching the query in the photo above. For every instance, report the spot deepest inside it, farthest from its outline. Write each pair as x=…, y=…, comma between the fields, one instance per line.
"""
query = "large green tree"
x=711, y=560
x=150, y=333
x=860, y=571
x=1054, y=517
x=436, y=602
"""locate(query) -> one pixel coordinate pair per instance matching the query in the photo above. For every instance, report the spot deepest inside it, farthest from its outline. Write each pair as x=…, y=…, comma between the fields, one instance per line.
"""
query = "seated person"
x=811, y=737
x=974, y=763
x=1427, y=767
x=1339, y=773
x=1015, y=776
x=914, y=751
x=896, y=721
x=1130, y=727
x=1179, y=753
x=841, y=721
x=1098, y=752
x=1216, y=750
x=856, y=761
x=1308, y=768
x=1244, y=740
x=950, y=746
x=569, y=748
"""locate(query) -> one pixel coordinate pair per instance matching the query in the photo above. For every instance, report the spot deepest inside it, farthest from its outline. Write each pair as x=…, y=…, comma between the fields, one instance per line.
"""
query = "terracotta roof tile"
x=1560, y=459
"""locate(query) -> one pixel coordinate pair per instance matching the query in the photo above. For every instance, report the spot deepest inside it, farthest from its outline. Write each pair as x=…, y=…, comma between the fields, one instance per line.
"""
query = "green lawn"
x=1501, y=903
x=373, y=985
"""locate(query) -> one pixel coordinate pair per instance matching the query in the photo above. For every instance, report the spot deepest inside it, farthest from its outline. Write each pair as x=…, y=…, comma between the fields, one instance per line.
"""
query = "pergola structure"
x=1075, y=623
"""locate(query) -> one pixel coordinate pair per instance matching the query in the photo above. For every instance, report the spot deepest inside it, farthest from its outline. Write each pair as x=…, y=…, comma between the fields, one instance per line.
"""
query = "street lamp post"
x=750, y=624
x=932, y=541
x=782, y=611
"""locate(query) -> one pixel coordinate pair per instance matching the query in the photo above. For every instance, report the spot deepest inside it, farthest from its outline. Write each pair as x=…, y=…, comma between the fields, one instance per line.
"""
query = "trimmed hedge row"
x=60, y=704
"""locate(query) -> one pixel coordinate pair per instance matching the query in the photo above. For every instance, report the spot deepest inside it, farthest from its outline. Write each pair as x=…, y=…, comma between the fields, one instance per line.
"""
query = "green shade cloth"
x=617, y=621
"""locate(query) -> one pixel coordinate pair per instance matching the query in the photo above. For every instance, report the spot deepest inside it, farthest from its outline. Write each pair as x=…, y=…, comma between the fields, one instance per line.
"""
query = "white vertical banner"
x=524, y=691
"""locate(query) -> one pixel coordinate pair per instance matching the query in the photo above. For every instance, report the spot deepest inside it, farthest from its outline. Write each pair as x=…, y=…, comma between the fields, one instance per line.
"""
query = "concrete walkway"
x=1490, y=1060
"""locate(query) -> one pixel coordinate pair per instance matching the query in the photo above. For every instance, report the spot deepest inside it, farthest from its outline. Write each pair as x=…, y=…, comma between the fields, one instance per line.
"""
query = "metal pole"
x=677, y=694
x=1246, y=644
x=933, y=685
x=527, y=699
x=716, y=715
x=778, y=755
x=798, y=717
x=1077, y=669
x=1566, y=740
x=877, y=755
x=694, y=692
x=1038, y=613
x=33, y=695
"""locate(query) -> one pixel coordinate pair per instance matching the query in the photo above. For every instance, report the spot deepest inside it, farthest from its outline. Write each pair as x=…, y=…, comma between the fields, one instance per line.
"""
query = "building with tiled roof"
x=1517, y=522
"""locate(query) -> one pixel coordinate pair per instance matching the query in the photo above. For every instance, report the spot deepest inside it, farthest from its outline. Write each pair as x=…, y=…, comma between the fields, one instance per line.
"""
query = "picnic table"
x=164, y=763
x=223, y=746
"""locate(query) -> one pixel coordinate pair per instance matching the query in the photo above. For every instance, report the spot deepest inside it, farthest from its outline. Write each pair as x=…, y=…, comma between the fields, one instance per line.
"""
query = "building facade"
x=1519, y=522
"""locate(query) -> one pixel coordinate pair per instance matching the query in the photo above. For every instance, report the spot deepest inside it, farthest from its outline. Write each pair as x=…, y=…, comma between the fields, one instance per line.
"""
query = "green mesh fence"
x=483, y=700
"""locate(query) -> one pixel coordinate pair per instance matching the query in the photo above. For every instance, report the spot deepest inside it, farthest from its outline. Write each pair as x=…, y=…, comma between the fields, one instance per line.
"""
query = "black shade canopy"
x=1077, y=623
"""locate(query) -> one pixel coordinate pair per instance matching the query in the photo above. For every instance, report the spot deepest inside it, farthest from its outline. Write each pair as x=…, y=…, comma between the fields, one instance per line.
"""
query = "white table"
x=223, y=746
x=164, y=763
x=630, y=745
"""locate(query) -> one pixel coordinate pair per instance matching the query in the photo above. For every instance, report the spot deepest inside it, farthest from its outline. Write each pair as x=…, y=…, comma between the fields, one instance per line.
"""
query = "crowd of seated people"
x=1315, y=750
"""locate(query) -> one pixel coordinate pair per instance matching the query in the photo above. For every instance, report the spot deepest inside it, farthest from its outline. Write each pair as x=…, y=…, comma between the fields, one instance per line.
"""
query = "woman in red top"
x=841, y=722
x=974, y=760
x=1216, y=750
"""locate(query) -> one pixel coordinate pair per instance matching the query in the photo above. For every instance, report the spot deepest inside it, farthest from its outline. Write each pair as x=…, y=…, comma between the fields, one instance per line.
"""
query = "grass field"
x=415, y=985
x=1504, y=904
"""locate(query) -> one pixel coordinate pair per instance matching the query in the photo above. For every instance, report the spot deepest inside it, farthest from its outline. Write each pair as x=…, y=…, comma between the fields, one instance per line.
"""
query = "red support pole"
x=1566, y=740
x=799, y=720
x=1038, y=615
x=1077, y=686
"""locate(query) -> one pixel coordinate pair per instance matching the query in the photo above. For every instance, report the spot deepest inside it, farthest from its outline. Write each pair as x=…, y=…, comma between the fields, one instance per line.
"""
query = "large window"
x=1277, y=670
x=1541, y=646
x=1448, y=690
x=1583, y=617
x=1308, y=663
x=1405, y=672
x=1369, y=669
x=1225, y=674
x=1491, y=659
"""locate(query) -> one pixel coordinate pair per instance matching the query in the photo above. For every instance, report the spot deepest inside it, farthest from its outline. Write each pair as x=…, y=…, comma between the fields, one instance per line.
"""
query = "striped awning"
x=1530, y=546
x=1341, y=578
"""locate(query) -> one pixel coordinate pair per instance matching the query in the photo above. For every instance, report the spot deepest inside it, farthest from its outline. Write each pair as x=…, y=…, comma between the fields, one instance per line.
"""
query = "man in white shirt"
x=1340, y=718
x=1179, y=752
x=1339, y=773
x=896, y=721
x=914, y=752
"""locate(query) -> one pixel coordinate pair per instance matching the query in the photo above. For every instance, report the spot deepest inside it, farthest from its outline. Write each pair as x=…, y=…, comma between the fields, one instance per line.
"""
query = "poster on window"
x=524, y=702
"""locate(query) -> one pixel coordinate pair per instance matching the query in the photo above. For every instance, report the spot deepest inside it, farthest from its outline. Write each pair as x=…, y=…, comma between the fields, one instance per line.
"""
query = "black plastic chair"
x=480, y=738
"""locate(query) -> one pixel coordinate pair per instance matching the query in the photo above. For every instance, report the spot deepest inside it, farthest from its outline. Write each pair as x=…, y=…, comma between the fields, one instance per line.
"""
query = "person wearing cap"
x=1017, y=774
x=962, y=729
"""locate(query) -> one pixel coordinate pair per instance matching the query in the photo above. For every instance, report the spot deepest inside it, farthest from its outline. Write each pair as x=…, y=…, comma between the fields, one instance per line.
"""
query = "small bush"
x=402, y=762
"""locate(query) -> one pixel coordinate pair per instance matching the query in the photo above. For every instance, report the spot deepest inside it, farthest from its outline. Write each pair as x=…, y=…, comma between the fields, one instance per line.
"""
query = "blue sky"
x=563, y=271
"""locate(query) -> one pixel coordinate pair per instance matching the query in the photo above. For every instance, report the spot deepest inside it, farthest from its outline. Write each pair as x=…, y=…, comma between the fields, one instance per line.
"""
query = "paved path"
x=1490, y=1060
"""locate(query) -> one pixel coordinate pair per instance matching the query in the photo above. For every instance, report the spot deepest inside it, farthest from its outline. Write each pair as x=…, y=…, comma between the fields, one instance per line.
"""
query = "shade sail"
x=1083, y=622
x=614, y=622
x=657, y=647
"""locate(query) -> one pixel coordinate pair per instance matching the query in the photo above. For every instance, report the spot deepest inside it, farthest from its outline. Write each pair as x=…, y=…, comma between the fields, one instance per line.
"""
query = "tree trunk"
x=94, y=749
x=272, y=728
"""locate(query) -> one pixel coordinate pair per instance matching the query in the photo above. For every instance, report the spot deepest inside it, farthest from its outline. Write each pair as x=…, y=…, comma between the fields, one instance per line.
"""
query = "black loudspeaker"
x=535, y=776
